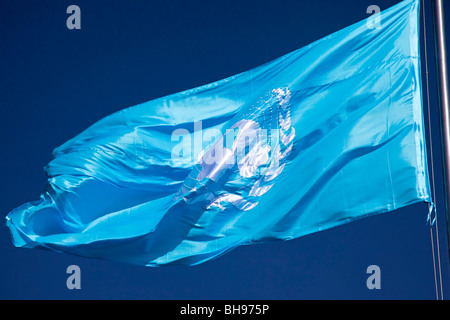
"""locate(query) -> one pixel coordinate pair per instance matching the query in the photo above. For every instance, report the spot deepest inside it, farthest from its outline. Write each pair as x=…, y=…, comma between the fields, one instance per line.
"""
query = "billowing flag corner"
x=324, y=135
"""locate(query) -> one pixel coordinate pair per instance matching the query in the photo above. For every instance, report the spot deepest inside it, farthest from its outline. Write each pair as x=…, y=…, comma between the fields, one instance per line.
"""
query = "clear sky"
x=56, y=82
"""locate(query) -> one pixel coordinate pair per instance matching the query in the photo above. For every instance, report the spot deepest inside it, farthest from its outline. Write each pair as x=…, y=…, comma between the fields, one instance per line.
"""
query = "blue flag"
x=322, y=136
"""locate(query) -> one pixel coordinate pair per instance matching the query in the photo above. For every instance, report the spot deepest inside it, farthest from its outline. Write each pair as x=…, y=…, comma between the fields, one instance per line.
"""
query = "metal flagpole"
x=443, y=85
x=444, y=105
x=443, y=88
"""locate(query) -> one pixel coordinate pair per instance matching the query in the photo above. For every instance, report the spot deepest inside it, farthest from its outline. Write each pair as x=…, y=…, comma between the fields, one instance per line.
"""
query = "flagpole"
x=443, y=93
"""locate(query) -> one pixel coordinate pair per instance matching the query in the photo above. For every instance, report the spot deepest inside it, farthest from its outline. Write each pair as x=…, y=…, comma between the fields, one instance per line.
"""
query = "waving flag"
x=322, y=136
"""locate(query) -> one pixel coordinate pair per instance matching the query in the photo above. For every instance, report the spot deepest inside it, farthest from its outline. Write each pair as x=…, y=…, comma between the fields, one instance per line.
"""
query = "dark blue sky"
x=56, y=82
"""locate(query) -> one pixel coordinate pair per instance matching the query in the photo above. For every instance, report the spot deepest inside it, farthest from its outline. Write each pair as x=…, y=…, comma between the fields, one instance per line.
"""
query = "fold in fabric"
x=322, y=136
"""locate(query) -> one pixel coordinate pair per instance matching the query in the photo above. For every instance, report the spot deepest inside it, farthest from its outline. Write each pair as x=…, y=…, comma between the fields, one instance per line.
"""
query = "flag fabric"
x=319, y=137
